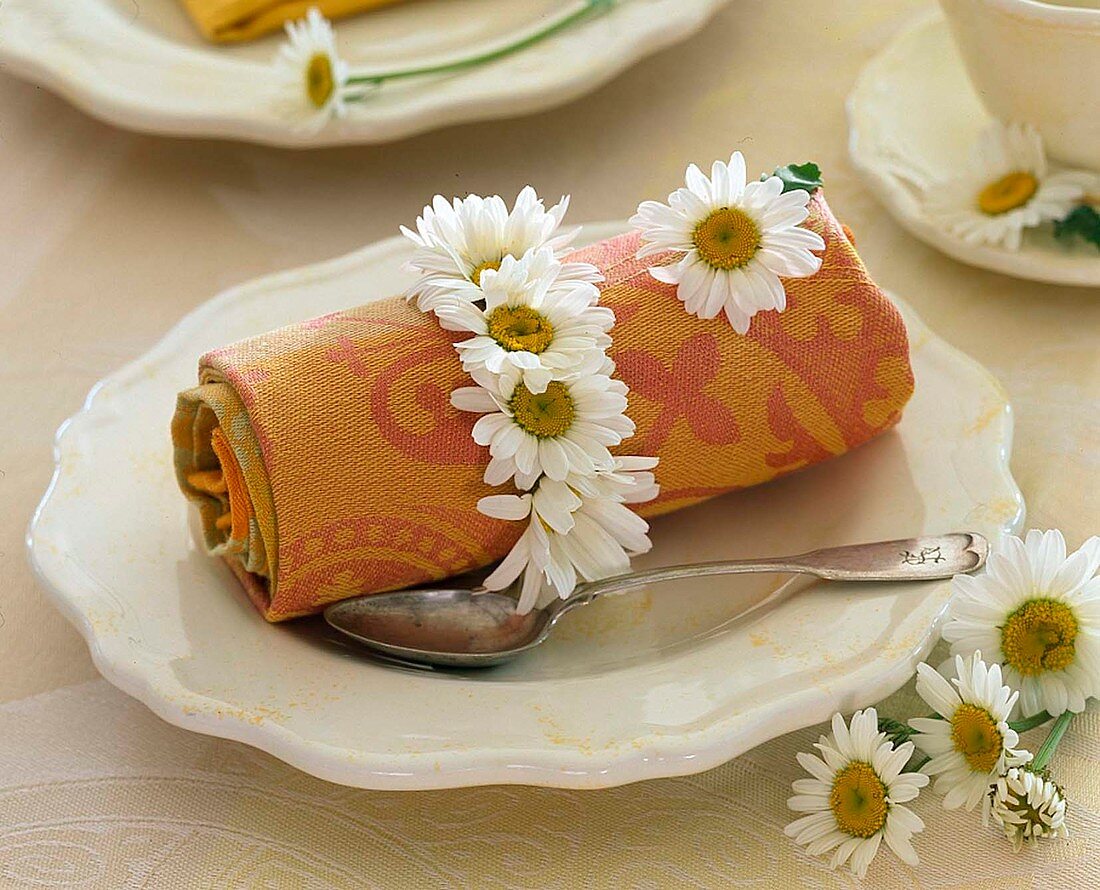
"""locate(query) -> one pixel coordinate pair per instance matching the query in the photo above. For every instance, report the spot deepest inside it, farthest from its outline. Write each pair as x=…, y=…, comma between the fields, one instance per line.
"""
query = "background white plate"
x=640, y=686
x=914, y=105
x=141, y=64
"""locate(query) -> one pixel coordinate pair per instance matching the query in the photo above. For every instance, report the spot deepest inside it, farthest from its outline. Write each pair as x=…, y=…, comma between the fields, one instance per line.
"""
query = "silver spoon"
x=475, y=627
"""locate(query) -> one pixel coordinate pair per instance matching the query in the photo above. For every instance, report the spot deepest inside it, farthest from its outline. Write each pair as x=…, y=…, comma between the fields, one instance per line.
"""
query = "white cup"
x=1036, y=62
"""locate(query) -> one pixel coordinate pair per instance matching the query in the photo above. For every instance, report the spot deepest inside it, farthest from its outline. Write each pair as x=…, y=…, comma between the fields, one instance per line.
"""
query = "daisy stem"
x=1046, y=750
x=587, y=8
x=1030, y=722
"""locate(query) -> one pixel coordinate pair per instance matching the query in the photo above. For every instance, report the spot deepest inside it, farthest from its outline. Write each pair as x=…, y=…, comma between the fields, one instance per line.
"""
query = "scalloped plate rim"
x=512, y=96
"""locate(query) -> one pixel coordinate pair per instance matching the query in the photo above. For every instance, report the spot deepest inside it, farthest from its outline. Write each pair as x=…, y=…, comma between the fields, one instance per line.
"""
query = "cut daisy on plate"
x=314, y=76
x=527, y=329
x=458, y=240
x=737, y=239
x=855, y=799
x=1005, y=187
x=567, y=428
x=1035, y=610
x=973, y=744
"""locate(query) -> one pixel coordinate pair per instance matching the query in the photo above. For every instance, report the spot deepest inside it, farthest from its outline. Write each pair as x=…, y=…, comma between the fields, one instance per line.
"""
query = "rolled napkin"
x=327, y=460
x=231, y=21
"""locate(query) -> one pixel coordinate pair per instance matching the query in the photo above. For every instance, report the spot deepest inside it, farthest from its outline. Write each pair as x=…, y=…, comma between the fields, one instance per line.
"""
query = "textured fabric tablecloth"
x=107, y=238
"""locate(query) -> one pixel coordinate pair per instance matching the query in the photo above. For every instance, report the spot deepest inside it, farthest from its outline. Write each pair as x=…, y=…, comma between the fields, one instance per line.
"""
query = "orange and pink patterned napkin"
x=327, y=460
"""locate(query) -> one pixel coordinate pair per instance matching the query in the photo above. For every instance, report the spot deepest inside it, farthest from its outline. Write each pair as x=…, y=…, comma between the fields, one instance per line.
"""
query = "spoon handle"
x=909, y=559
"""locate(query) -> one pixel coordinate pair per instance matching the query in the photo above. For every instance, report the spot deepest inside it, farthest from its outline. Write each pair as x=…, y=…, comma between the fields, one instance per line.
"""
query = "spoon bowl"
x=460, y=627
x=475, y=627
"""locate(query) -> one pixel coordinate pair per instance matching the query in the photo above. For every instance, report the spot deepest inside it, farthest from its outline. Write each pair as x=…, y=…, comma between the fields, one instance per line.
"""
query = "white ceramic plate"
x=634, y=687
x=143, y=65
x=913, y=107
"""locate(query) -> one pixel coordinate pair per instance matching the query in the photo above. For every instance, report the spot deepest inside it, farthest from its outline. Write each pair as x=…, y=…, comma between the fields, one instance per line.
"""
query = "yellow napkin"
x=231, y=21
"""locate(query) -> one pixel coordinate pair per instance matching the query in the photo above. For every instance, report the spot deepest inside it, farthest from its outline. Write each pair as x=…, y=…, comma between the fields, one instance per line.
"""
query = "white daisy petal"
x=816, y=829
x=935, y=690
x=473, y=398
x=815, y=767
x=513, y=565
x=505, y=506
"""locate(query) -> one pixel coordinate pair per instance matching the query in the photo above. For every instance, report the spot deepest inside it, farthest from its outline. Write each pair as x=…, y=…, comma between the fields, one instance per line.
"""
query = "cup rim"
x=1050, y=11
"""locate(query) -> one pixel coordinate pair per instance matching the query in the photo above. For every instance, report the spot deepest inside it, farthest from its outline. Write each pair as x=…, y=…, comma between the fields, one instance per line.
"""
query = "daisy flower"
x=973, y=744
x=1027, y=806
x=1004, y=188
x=855, y=797
x=312, y=70
x=737, y=238
x=458, y=240
x=568, y=536
x=1036, y=611
x=566, y=429
x=529, y=330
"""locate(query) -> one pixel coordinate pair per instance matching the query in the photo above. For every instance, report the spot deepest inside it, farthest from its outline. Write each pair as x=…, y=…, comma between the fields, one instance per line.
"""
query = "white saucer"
x=913, y=106
x=635, y=687
x=143, y=65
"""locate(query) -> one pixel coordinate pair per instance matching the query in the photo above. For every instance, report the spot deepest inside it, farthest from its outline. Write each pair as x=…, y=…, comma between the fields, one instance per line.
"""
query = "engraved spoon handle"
x=909, y=559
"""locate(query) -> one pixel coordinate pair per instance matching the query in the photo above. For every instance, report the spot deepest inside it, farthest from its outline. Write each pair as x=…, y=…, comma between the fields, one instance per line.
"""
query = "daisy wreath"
x=550, y=406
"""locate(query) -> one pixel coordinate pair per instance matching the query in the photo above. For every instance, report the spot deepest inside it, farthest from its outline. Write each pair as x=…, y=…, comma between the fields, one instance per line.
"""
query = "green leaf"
x=799, y=176
x=1082, y=221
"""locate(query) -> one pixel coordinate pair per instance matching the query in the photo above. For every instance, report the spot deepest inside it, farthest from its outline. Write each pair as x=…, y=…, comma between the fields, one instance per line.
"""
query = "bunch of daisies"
x=1035, y=614
x=550, y=406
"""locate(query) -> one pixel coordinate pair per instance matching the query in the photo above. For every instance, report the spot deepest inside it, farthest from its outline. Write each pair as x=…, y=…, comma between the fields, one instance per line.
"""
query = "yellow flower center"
x=858, y=800
x=1007, y=193
x=1039, y=636
x=319, y=80
x=520, y=328
x=975, y=736
x=546, y=414
x=475, y=275
x=727, y=239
